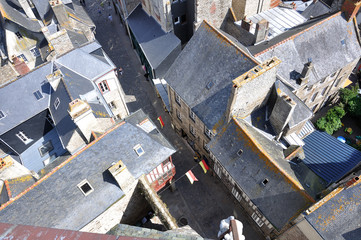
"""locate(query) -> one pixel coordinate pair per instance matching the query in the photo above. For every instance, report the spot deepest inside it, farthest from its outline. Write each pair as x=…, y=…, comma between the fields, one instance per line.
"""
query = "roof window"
x=2, y=115
x=210, y=85
x=139, y=150
x=85, y=187
x=38, y=95
x=265, y=181
x=240, y=151
x=343, y=42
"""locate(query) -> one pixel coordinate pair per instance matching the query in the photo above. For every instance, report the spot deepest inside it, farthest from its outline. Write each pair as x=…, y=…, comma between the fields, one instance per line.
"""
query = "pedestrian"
x=109, y=6
x=110, y=18
x=121, y=71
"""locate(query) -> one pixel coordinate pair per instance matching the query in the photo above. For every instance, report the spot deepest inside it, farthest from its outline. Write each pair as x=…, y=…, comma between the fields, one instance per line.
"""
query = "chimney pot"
x=350, y=8
x=262, y=29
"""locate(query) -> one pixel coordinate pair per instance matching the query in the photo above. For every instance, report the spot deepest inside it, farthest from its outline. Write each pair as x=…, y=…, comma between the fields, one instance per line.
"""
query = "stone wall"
x=212, y=11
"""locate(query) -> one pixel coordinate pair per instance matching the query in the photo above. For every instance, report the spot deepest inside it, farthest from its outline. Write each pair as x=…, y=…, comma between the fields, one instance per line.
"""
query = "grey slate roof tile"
x=208, y=56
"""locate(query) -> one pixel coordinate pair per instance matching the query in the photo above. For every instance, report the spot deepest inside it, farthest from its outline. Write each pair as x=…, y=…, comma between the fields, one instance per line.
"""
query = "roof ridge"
x=215, y=30
x=297, y=34
x=59, y=166
x=289, y=179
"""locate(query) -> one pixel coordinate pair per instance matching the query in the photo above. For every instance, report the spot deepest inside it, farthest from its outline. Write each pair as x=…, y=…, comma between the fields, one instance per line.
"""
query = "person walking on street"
x=110, y=18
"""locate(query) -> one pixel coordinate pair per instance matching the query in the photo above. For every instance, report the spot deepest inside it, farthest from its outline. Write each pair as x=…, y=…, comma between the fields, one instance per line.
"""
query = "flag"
x=161, y=121
x=204, y=166
x=191, y=176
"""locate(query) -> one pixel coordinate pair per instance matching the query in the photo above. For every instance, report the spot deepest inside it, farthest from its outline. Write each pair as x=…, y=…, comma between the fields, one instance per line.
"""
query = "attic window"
x=139, y=150
x=18, y=35
x=343, y=42
x=85, y=187
x=210, y=85
x=2, y=114
x=265, y=181
x=38, y=95
x=35, y=52
x=240, y=151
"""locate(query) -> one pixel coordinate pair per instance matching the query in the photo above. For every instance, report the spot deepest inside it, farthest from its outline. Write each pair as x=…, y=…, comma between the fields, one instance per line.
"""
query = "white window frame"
x=177, y=99
x=192, y=115
x=236, y=194
x=23, y=57
x=25, y=139
x=35, y=51
x=207, y=132
x=112, y=105
x=191, y=130
x=38, y=95
x=179, y=116
x=205, y=146
x=103, y=86
x=138, y=147
x=218, y=170
x=82, y=183
x=56, y=103
x=257, y=219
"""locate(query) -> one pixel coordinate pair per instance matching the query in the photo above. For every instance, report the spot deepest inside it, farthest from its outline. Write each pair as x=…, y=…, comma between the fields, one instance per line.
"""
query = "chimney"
x=20, y=66
x=60, y=12
x=246, y=24
x=305, y=75
x=83, y=117
x=262, y=29
x=54, y=79
x=282, y=113
x=350, y=8
x=59, y=41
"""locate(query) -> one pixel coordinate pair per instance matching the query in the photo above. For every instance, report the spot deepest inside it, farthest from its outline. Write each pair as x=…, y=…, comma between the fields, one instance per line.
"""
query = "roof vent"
x=2, y=115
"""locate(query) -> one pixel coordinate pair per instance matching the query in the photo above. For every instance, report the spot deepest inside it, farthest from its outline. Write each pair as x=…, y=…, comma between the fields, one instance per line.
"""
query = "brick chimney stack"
x=350, y=8
x=262, y=29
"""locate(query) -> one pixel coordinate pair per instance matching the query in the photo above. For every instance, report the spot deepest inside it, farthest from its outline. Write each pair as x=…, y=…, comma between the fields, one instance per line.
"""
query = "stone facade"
x=212, y=11
x=320, y=93
x=160, y=10
x=244, y=8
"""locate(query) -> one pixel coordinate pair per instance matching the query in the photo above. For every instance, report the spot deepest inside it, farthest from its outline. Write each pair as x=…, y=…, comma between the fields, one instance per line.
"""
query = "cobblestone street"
x=205, y=203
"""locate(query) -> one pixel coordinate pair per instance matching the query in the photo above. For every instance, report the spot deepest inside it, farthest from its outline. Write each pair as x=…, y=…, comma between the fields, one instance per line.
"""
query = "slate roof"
x=339, y=218
x=155, y=43
x=280, y=200
x=208, y=58
x=328, y=157
x=55, y=200
x=44, y=9
x=26, y=105
x=316, y=9
x=18, y=17
x=19, y=184
x=328, y=37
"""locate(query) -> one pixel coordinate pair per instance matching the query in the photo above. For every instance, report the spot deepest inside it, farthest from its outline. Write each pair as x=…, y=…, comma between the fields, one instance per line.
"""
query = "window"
x=111, y=105
x=104, y=86
x=38, y=95
x=22, y=56
x=2, y=115
x=18, y=35
x=183, y=19
x=21, y=135
x=192, y=115
x=35, y=52
x=192, y=131
x=177, y=99
x=85, y=187
x=207, y=132
x=210, y=85
x=265, y=181
x=46, y=148
x=314, y=108
x=179, y=116
x=205, y=146
x=343, y=42
x=257, y=219
x=177, y=20
x=139, y=150
x=236, y=194
x=314, y=97
x=240, y=151
x=338, y=82
x=56, y=103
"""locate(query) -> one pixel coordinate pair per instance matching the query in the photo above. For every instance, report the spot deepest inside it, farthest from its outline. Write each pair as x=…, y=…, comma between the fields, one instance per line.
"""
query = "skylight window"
x=2, y=115
x=38, y=95
x=343, y=42
x=240, y=151
x=85, y=187
x=265, y=181
x=139, y=150
x=210, y=85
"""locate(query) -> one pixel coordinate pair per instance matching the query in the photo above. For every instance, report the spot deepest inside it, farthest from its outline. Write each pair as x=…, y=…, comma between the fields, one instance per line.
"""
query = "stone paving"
x=205, y=203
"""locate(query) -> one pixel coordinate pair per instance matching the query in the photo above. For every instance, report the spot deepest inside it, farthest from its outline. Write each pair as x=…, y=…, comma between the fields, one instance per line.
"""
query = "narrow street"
x=205, y=203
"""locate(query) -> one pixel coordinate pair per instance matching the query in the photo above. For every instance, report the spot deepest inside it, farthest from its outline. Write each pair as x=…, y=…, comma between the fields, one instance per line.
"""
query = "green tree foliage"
x=332, y=121
x=354, y=106
x=347, y=94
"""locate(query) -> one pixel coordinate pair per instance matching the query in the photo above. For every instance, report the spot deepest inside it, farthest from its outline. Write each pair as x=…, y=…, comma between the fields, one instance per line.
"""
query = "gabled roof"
x=203, y=72
x=26, y=105
x=283, y=197
x=328, y=37
x=18, y=17
x=56, y=201
x=339, y=218
x=315, y=9
x=328, y=157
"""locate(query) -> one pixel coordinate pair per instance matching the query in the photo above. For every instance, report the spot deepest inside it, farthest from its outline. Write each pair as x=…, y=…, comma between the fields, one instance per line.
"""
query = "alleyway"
x=205, y=203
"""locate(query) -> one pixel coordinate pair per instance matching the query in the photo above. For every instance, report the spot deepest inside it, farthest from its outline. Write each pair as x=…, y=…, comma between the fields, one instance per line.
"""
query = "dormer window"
x=2, y=115
x=139, y=150
x=85, y=187
x=103, y=86
x=38, y=95
x=25, y=139
x=18, y=35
